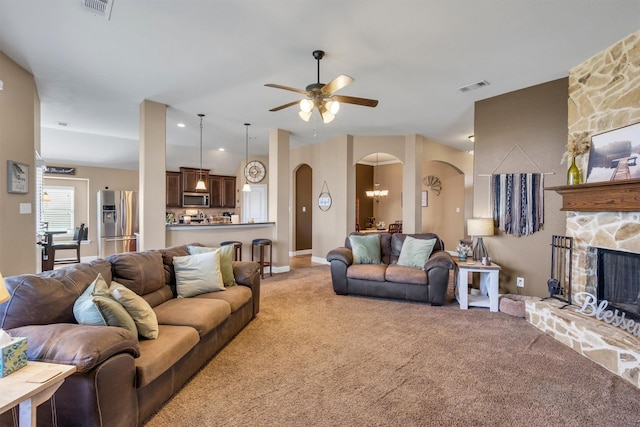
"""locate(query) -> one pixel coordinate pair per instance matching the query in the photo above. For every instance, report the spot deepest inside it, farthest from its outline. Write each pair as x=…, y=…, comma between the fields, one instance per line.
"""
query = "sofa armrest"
x=72, y=344
x=440, y=259
x=344, y=255
x=247, y=273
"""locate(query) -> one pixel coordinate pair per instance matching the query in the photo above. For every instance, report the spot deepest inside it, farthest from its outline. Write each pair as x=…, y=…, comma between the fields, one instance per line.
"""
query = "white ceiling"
x=214, y=57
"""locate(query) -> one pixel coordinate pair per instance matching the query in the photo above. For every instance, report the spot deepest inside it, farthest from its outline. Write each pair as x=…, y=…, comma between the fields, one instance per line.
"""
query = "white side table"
x=489, y=275
x=31, y=386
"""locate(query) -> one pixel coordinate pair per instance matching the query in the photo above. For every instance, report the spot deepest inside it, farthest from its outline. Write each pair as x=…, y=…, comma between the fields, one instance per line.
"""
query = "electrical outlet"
x=520, y=282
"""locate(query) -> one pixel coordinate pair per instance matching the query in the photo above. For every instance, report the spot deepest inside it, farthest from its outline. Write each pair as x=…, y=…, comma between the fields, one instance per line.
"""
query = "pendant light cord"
x=201, y=116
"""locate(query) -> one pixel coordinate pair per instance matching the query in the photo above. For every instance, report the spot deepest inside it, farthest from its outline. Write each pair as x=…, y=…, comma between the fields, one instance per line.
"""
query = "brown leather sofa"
x=388, y=279
x=122, y=379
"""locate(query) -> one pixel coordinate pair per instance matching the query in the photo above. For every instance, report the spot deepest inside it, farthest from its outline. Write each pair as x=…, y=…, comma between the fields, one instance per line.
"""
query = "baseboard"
x=319, y=260
x=276, y=269
x=299, y=253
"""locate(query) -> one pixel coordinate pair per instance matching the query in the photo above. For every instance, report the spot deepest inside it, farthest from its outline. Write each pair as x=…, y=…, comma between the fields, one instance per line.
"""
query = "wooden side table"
x=31, y=386
x=489, y=275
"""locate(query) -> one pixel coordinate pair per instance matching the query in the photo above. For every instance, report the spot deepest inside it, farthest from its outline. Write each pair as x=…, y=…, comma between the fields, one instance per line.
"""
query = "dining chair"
x=79, y=234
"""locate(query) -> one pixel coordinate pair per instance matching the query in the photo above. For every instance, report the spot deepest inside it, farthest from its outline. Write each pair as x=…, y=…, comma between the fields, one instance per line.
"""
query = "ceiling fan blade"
x=292, y=89
x=336, y=84
x=285, y=106
x=353, y=100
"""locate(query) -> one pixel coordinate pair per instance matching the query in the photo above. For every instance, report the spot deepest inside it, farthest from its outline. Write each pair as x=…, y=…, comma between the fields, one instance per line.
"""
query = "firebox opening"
x=618, y=280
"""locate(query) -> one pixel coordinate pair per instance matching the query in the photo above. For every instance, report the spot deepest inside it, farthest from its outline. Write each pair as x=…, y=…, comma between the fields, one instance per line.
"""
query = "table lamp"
x=478, y=228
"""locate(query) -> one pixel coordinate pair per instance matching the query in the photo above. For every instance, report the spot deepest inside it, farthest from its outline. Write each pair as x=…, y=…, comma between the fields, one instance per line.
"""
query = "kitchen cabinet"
x=222, y=190
x=174, y=190
x=190, y=179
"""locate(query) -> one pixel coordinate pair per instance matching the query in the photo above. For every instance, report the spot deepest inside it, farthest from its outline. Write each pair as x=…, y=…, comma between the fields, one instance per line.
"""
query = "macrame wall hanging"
x=517, y=199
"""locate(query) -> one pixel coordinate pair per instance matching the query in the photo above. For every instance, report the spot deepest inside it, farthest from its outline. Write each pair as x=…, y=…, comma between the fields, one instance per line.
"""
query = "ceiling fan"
x=321, y=96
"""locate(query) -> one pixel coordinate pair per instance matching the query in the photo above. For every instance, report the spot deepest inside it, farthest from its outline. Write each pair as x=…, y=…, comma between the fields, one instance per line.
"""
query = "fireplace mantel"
x=608, y=196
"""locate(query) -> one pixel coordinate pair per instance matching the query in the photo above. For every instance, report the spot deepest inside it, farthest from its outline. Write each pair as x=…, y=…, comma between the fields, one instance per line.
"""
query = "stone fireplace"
x=604, y=94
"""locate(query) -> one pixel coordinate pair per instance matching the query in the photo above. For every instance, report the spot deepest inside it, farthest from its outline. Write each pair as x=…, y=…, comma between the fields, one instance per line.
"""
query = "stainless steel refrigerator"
x=118, y=221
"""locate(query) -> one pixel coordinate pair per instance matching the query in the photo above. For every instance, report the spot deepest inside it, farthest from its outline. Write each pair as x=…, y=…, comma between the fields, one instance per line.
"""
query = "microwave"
x=195, y=200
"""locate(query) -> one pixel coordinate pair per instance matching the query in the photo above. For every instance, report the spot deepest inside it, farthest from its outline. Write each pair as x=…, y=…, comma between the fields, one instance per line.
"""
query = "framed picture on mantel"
x=614, y=155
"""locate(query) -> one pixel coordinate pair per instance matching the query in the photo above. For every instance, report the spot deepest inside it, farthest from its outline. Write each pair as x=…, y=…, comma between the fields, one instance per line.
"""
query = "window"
x=58, y=212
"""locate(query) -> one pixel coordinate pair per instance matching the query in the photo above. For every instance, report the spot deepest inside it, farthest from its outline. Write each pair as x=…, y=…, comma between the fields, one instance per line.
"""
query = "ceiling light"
x=181, y=125
x=333, y=107
x=201, y=185
x=472, y=138
x=246, y=187
x=221, y=149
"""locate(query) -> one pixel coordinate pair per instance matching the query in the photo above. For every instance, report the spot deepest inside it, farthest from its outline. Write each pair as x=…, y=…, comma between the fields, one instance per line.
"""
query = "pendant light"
x=246, y=187
x=201, y=185
x=376, y=193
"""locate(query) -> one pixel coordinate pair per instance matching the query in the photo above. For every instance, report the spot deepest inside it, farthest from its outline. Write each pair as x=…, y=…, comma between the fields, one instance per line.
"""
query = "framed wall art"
x=614, y=155
x=17, y=177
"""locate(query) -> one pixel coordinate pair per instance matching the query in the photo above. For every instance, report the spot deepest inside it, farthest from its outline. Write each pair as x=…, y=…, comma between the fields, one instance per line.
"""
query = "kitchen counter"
x=213, y=234
x=218, y=226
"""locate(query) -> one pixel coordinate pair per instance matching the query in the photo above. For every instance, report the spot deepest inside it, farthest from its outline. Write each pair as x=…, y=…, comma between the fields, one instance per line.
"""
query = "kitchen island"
x=213, y=234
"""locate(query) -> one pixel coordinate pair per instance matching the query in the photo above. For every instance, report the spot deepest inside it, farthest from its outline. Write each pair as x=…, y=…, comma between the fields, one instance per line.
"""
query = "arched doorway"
x=303, y=217
x=386, y=170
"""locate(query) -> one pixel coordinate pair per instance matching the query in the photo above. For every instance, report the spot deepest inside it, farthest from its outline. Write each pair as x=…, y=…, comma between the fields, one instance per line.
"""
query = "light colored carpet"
x=314, y=358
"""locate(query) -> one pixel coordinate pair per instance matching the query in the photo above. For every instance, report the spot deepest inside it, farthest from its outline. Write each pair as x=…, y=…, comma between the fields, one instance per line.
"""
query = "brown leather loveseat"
x=387, y=278
x=123, y=379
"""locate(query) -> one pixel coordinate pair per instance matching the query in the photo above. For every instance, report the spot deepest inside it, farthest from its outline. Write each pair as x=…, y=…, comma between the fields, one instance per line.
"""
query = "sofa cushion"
x=415, y=252
x=197, y=274
x=97, y=307
x=49, y=296
x=401, y=274
x=142, y=272
x=167, y=262
x=366, y=248
x=367, y=272
x=159, y=355
x=236, y=296
x=397, y=241
x=226, y=260
x=203, y=314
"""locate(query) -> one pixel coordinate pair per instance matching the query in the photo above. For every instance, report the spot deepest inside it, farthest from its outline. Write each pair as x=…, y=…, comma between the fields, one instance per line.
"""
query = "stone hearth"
x=607, y=345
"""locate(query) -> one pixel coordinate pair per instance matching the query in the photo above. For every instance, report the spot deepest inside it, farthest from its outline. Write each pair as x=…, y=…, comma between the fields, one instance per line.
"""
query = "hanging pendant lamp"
x=201, y=185
x=246, y=187
x=376, y=193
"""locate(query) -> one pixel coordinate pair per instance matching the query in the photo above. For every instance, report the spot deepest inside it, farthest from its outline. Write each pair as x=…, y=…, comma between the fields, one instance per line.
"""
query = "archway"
x=303, y=216
x=386, y=170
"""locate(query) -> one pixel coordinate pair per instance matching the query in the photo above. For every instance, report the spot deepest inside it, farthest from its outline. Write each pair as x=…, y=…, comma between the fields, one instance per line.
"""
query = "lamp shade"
x=480, y=227
x=4, y=293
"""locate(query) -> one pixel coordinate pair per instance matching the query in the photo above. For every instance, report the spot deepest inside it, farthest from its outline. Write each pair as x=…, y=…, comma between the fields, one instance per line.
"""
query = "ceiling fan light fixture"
x=306, y=105
x=327, y=117
x=333, y=107
x=305, y=115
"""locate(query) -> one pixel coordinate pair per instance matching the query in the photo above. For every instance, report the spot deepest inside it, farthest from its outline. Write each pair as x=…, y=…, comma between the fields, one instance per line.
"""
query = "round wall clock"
x=255, y=171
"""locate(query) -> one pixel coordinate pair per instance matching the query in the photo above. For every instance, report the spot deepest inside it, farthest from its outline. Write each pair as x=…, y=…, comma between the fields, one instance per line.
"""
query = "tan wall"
x=444, y=214
x=19, y=137
x=87, y=182
x=535, y=119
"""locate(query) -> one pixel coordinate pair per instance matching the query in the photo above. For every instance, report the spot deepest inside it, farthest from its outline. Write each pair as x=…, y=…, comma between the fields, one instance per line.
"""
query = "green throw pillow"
x=226, y=260
x=198, y=274
x=366, y=249
x=415, y=252
x=97, y=307
x=138, y=308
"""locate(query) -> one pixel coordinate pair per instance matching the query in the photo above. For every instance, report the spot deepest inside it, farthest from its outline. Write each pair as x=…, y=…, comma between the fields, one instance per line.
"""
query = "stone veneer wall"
x=604, y=94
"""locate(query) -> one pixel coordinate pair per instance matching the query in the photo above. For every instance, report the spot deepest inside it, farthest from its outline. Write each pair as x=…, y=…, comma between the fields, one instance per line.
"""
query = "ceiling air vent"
x=99, y=7
x=473, y=86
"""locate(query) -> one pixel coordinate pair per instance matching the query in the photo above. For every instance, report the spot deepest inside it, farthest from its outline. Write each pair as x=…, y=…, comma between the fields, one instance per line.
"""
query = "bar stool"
x=237, y=247
x=262, y=243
